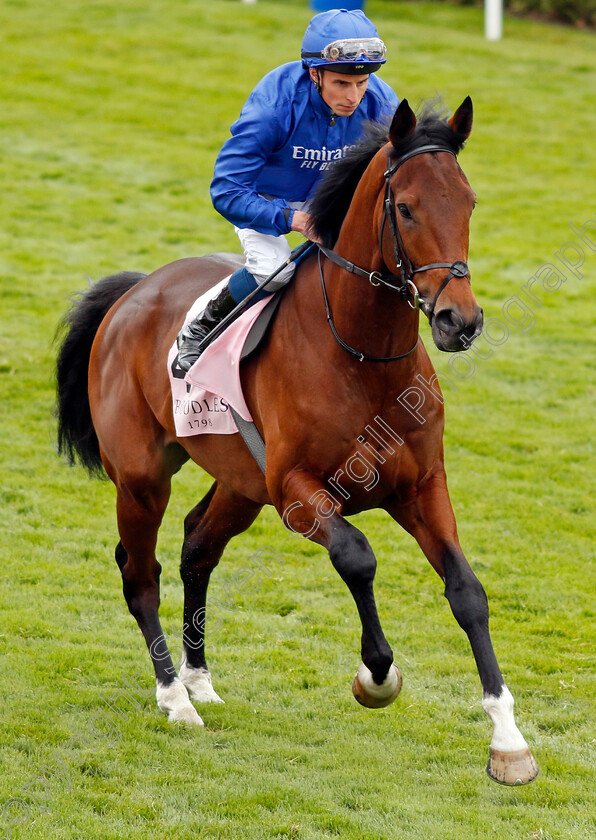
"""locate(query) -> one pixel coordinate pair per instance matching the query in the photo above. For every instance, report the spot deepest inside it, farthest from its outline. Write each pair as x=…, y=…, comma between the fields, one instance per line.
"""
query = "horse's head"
x=424, y=226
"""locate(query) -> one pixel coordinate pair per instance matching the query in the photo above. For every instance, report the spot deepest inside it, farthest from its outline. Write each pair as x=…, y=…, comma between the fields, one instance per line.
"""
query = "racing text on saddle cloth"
x=201, y=400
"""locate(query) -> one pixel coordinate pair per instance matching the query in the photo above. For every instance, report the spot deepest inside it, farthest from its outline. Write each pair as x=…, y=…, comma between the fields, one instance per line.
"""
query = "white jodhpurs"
x=264, y=254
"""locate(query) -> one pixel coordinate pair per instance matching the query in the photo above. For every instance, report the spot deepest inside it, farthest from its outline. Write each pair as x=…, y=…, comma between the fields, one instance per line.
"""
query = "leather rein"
x=403, y=263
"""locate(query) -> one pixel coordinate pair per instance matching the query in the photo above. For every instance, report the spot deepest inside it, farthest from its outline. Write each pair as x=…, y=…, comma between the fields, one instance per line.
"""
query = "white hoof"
x=374, y=696
x=198, y=683
x=174, y=702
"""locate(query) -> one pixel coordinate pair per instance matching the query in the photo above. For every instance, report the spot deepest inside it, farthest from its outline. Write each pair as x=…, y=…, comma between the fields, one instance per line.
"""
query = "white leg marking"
x=174, y=702
x=506, y=735
x=198, y=683
x=379, y=692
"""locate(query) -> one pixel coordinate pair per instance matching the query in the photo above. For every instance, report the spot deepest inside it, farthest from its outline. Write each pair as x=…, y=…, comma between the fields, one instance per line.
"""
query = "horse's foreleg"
x=221, y=515
x=378, y=680
x=429, y=518
x=140, y=508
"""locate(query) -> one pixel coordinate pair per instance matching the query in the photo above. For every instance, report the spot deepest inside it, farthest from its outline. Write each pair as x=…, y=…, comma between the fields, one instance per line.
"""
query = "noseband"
x=403, y=263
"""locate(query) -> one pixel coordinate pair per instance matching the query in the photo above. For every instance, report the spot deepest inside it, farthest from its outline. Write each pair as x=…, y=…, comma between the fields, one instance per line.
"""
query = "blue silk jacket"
x=283, y=141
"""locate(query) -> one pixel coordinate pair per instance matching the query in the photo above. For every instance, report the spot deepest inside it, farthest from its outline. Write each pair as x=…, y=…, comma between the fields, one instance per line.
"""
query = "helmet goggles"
x=351, y=49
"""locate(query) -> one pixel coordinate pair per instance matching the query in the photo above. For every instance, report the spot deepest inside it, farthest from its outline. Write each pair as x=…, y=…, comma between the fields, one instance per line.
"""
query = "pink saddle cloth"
x=201, y=402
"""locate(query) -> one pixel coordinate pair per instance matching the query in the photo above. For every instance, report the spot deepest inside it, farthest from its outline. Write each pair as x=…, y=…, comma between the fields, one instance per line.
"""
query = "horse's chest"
x=381, y=463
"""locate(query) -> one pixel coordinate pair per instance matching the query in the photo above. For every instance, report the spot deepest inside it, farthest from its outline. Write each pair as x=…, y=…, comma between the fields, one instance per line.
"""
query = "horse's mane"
x=336, y=189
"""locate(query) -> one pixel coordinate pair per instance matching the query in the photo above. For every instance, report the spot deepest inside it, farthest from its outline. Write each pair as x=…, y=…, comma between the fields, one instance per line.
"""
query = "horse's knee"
x=195, y=573
x=141, y=602
x=198, y=560
x=141, y=591
x=352, y=557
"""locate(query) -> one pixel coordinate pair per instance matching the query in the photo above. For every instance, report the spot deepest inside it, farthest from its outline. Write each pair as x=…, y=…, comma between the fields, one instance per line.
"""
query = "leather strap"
x=252, y=438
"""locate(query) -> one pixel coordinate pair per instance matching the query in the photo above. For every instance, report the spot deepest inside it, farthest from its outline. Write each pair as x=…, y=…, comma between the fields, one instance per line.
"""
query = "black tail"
x=76, y=436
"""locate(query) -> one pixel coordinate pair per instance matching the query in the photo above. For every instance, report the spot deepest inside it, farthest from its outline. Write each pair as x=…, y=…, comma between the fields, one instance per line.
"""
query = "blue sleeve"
x=255, y=135
x=387, y=101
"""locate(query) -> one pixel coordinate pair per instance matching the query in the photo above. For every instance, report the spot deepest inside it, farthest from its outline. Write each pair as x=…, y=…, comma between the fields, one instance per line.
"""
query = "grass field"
x=112, y=114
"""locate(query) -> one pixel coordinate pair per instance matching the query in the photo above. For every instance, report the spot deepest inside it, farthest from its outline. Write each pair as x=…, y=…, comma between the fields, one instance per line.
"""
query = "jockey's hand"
x=301, y=223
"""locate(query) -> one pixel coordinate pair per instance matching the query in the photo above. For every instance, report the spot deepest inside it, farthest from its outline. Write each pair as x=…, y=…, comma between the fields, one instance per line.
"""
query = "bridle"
x=403, y=263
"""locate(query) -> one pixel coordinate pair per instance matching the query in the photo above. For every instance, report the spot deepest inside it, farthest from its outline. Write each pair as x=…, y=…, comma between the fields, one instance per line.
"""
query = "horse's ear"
x=461, y=121
x=403, y=123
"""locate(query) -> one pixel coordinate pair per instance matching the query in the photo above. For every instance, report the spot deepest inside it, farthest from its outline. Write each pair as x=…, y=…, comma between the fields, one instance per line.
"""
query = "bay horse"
x=337, y=391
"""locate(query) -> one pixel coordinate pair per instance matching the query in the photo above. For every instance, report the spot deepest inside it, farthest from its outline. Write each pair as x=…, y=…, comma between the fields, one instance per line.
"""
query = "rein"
x=403, y=263
x=362, y=357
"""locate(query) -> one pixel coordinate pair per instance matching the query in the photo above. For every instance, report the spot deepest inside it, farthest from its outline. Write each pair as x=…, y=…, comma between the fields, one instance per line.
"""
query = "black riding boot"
x=190, y=336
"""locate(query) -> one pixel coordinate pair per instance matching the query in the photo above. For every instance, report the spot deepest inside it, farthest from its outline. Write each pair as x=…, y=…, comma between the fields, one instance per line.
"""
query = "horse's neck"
x=369, y=317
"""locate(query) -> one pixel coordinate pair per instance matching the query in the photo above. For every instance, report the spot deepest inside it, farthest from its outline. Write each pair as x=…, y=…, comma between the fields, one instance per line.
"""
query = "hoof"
x=512, y=768
x=173, y=701
x=187, y=714
x=374, y=696
x=198, y=684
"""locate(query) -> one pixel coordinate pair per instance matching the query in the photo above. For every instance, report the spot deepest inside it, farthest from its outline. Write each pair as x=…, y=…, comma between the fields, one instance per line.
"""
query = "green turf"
x=112, y=114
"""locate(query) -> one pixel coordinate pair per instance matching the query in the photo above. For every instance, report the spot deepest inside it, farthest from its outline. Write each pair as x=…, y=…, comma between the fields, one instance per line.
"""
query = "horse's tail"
x=76, y=436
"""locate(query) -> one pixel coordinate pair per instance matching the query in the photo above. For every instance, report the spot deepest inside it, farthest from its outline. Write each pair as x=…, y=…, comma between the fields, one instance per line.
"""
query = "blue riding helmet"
x=343, y=41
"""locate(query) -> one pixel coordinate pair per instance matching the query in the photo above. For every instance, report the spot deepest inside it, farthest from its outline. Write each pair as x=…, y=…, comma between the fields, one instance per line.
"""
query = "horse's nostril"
x=449, y=321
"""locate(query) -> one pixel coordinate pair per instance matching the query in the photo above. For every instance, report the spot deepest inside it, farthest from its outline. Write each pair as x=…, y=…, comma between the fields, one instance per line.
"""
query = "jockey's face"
x=342, y=92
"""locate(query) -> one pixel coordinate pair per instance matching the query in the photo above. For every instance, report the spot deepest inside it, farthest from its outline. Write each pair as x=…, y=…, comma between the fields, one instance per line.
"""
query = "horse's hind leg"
x=141, y=504
x=221, y=515
x=429, y=518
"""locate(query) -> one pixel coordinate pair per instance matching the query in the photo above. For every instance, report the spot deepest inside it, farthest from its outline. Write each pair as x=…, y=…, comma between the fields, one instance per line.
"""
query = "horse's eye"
x=403, y=209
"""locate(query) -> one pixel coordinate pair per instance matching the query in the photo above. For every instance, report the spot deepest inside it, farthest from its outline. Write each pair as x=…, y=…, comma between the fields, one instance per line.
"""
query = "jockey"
x=299, y=119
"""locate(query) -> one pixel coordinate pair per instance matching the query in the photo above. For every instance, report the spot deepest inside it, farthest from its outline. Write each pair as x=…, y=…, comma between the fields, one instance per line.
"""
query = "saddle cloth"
x=201, y=399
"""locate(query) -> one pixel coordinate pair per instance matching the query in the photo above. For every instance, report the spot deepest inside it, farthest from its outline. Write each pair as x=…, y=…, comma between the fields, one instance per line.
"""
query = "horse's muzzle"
x=452, y=332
